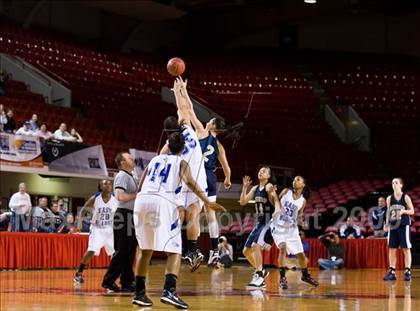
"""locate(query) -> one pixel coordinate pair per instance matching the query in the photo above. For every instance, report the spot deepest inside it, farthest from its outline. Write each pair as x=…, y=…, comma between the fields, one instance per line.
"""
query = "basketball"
x=176, y=66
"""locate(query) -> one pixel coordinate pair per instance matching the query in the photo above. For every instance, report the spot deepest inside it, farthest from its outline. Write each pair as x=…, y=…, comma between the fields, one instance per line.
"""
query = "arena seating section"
x=384, y=92
x=116, y=102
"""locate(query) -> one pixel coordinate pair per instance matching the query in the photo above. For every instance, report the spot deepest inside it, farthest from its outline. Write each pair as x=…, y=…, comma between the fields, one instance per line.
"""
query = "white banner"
x=19, y=148
x=142, y=159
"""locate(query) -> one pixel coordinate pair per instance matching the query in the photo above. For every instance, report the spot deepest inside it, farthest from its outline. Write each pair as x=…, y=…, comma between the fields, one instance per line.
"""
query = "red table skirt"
x=368, y=254
x=47, y=250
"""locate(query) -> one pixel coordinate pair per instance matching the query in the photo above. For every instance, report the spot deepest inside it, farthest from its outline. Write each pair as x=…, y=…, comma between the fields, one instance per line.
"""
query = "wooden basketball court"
x=210, y=289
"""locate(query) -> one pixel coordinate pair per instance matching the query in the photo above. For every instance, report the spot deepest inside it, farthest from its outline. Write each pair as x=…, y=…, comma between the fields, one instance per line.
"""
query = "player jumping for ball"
x=189, y=201
x=213, y=151
x=104, y=205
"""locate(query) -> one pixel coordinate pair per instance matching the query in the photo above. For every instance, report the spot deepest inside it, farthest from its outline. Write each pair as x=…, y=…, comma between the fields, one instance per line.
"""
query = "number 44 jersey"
x=163, y=177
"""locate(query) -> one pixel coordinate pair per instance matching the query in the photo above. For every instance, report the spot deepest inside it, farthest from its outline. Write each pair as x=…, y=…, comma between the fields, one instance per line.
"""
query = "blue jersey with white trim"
x=263, y=206
x=395, y=207
x=210, y=150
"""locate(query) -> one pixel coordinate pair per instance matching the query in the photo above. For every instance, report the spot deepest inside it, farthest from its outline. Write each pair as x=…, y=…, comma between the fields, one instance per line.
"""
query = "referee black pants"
x=125, y=244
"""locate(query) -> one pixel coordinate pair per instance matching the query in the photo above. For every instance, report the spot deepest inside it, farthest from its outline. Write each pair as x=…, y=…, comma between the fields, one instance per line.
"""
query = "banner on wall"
x=142, y=159
x=20, y=150
x=75, y=158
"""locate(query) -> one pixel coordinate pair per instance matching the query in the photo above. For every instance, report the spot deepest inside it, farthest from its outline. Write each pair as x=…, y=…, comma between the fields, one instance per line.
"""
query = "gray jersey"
x=126, y=182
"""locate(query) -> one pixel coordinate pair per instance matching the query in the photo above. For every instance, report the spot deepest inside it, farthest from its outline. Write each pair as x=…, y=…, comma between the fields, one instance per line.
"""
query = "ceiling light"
x=310, y=1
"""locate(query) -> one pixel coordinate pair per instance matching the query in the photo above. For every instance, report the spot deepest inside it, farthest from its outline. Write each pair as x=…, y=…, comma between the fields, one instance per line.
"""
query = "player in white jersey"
x=193, y=155
x=104, y=205
x=213, y=151
x=285, y=230
x=157, y=221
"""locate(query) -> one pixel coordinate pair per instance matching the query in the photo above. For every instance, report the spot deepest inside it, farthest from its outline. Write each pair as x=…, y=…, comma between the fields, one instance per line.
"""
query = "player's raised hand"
x=216, y=207
x=182, y=86
x=246, y=181
x=227, y=183
x=177, y=85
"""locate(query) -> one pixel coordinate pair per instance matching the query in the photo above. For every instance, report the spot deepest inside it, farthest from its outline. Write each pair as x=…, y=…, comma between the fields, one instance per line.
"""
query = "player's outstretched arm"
x=225, y=166
x=182, y=104
x=88, y=204
x=198, y=126
x=246, y=197
x=194, y=187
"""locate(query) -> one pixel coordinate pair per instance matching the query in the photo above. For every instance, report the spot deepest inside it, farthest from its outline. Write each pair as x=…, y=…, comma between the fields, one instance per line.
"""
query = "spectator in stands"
x=10, y=126
x=76, y=135
x=53, y=218
x=20, y=205
x=43, y=133
x=69, y=225
x=4, y=220
x=4, y=77
x=350, y=230
x=336, y=252
x=38, y=215
x=61, y=207
x=3, y=118
x=33, y=123
x=377, y=218
x=225, y=253
x=62, y=134
x=25, y=129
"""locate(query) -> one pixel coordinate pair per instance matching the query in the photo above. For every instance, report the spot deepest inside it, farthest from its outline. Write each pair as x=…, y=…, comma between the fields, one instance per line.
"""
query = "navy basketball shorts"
x=255, y=234
x=399, y=237
x=211, y=185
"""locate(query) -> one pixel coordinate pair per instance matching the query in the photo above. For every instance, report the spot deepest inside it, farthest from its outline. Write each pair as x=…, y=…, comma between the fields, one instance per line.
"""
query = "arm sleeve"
x=13, y=203
x=121, y=182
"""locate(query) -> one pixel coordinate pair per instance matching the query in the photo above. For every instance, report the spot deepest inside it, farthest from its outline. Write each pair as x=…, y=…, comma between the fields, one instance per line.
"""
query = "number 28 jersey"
x=163, y=177
x=103, y=213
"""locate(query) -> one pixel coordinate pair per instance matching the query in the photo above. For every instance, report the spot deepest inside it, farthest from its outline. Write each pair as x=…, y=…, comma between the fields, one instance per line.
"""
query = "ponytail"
x=306, y=192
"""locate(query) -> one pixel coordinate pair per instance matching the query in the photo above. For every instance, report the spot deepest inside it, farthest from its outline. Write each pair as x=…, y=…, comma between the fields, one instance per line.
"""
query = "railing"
x=64, y=81
x=38, y=83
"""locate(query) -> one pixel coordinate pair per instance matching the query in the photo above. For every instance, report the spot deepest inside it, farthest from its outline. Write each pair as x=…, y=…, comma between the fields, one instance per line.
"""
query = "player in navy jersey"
x=213, y=151
x=189, y=201
x=101, y=234
x=397, y=223
x=260, y=238
x=285, y=230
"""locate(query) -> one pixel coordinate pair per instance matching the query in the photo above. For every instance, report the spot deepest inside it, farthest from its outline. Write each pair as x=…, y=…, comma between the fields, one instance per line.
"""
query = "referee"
x=125, y=243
